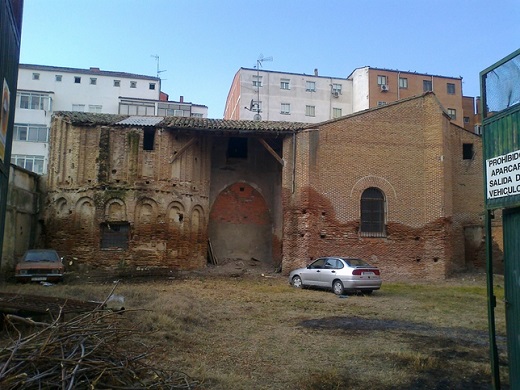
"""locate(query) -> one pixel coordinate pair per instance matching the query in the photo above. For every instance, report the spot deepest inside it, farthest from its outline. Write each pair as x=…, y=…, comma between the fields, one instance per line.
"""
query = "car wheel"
x=297, y=281
x=337, y=287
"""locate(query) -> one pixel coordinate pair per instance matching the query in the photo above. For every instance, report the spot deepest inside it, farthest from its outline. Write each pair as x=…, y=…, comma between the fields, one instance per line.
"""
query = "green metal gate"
x=511, y=224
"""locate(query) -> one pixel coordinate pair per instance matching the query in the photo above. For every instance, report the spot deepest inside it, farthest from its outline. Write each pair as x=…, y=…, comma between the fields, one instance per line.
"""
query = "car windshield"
x=356, y=262
x=41, y=256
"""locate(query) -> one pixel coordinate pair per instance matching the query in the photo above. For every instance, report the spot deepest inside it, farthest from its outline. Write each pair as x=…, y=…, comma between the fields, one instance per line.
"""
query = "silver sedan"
x=339, y=274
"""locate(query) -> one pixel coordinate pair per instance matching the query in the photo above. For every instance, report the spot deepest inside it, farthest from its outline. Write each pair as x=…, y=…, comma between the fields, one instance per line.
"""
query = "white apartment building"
x=279, y=96
x=43, y=90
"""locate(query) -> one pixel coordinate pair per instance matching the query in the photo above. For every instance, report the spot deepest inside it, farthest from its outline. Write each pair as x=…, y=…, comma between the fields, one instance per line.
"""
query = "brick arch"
x=240, y=224
x=373, y=181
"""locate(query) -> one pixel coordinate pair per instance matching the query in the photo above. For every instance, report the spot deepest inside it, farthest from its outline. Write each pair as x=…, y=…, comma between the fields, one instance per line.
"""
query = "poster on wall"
x=4, y=119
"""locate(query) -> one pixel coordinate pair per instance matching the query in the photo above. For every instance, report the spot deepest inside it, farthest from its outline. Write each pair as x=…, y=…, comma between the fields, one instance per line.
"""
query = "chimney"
x=315, y=71
x=181, y=99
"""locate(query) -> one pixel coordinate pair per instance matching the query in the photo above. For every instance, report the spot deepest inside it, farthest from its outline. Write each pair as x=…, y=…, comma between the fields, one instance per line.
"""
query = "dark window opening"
x=427, y=86
x=237, y=148
x=148, y=139
x=115, y=235
x=372, y=213
x=467, y=152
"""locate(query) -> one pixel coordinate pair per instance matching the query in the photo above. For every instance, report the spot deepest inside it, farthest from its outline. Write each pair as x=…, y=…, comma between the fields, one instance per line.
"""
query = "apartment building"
x=278, y=96
x=43, y=90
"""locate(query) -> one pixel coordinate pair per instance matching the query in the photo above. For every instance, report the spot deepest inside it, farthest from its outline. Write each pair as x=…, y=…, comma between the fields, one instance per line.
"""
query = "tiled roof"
x=91, y=71
x=181, y=123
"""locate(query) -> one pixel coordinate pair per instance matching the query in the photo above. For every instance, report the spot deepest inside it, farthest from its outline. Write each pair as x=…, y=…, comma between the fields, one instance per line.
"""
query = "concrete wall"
x=22, y=223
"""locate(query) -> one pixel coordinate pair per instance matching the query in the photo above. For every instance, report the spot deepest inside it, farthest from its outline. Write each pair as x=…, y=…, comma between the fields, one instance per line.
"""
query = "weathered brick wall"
x=402, y=149
x=102, y=175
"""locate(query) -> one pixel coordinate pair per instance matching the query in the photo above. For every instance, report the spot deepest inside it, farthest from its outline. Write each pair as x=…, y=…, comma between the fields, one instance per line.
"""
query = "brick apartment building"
x=399, y=185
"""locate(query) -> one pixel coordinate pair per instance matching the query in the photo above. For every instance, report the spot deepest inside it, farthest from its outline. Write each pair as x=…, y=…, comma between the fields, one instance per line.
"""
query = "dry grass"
x=259, y=333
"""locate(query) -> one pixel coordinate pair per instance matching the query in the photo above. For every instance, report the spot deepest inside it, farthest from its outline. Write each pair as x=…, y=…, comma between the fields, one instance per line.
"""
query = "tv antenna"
x=157, y=60
x=256, y=107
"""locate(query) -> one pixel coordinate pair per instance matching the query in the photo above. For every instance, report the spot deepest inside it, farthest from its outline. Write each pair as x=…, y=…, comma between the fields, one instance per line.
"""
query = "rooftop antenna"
x=157, y=60
x=256, y=107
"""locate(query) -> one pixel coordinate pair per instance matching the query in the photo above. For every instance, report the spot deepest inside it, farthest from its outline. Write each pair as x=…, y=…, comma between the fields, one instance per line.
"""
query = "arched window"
x=373, y=213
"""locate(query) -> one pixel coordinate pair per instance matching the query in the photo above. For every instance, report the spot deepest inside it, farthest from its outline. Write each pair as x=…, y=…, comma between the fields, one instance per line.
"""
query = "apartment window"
x=31, y=133
x=34, y=101
x=466, y=119
x=310, y=86
x=31, y=163
x=58, y=78
x=372, y=213
x=35, y=76
x=115, y=235
x=310, y=110
x=467, y=152
x=151, y=86
x=427, y=85
x=336, y=89
x=257, y=81
x=95, y=108
x=93, y=81
x=78, y=107
x=403, y=82
x=117, y=83
x=137, y=109
x=285, y=108
x=452, y=113
x=133, y=84
x=336, y=112
x=197, y=115
x=284, y=84
x=382, y=80
x=450, y=88
x=381, y=104
x=77, y=80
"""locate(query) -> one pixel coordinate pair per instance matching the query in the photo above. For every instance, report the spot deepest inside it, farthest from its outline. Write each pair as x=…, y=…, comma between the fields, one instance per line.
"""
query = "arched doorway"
x=240, y=225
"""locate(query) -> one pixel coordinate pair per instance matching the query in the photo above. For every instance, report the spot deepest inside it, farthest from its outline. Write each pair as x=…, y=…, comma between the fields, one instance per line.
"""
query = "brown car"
x=40, y=265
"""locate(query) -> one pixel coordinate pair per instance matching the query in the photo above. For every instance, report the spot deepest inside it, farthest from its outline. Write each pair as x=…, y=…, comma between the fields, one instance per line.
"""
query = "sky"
x=201, y=44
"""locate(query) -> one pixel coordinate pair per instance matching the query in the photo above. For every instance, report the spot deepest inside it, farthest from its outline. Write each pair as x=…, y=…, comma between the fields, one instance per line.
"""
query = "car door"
x=328, y=273
x=312, y=275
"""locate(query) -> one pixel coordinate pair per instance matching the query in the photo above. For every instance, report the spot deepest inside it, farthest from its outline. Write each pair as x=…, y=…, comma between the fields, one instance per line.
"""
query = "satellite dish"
x=257, y=117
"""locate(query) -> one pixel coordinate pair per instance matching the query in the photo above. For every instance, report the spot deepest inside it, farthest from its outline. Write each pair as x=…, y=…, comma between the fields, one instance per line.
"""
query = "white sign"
x=503, y=175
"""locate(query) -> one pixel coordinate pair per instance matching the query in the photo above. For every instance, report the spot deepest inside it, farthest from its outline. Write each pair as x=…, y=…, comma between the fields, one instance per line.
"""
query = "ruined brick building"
x=398, y=185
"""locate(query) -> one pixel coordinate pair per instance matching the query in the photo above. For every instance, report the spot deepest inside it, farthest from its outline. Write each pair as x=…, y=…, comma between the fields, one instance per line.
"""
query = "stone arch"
x=146, y=211
x=85, y=212
x=115, y=210
x=240, y=224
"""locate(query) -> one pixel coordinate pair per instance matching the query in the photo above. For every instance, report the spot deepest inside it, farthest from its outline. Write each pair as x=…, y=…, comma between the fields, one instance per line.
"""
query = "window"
x=237, y=148
x=310, y=86
x=256, y=106
x=117, y=83
x=467, y=152
x=381, y=80
x=35, y=76
x=58, y=78
x=34, y=101
x=31, y=163
x=151, y=86
x=78, y=107
x=133, y=84
x=466, y=119
x=95, y=108
x=31, y=133
x=427, y=85
x=310, y=110
x=93, y=81
x=403, y=82
x=115, y=235
x=77, y=80
x=148, y=139
x=381, y=104
x=284, y=84
x=372, y=213
x=285, y=108
x=336, y=89
x=450, y=88
x=128, y=108
x=257, y=81
x=452, y=113
x=336, y=112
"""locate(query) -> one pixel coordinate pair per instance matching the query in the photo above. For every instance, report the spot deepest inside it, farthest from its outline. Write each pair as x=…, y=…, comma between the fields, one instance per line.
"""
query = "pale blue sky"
x=201, y=44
